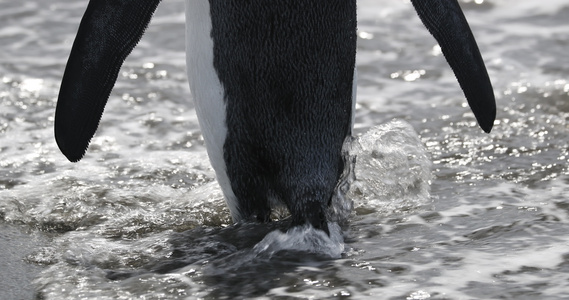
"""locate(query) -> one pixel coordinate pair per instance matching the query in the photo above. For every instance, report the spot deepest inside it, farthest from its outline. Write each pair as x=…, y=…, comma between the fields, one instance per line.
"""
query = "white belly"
x=207, y=92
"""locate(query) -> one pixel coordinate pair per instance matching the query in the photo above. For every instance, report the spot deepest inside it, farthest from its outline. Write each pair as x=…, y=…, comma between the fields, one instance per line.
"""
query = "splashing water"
x=393, y=170
x=133, y=249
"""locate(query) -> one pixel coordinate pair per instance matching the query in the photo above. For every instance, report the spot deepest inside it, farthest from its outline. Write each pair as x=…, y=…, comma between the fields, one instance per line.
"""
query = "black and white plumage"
x=274, y=87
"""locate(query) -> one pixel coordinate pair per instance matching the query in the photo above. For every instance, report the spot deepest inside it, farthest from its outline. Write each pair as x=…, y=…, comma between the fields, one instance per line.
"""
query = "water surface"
x=451, y=214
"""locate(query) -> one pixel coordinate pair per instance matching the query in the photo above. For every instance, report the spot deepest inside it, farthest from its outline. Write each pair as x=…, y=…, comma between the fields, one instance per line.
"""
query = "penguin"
x=274, y=90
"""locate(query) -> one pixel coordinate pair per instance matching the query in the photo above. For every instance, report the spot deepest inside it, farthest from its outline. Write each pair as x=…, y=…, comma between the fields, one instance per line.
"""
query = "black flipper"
x=109, y=30
x=446, y=22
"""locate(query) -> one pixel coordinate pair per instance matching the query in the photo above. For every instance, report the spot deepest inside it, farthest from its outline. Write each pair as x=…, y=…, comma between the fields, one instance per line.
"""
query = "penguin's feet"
x=314, y=216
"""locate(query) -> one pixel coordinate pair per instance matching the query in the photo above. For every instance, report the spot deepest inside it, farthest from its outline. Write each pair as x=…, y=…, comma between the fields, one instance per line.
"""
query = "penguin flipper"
x=108, y=32
x=446, y=22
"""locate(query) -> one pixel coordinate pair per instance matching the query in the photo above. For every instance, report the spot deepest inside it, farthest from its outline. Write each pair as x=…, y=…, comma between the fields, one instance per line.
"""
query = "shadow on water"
x=245, y=259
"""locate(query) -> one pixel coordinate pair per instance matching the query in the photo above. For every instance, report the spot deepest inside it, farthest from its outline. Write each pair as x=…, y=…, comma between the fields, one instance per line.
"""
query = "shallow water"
x=141, y=216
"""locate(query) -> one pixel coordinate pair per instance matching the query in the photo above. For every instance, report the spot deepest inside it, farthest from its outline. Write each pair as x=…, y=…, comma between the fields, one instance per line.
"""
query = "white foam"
x=305, y=239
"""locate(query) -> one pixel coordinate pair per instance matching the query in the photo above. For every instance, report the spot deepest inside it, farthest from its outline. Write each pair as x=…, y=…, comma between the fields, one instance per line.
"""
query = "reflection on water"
x=451, y=214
